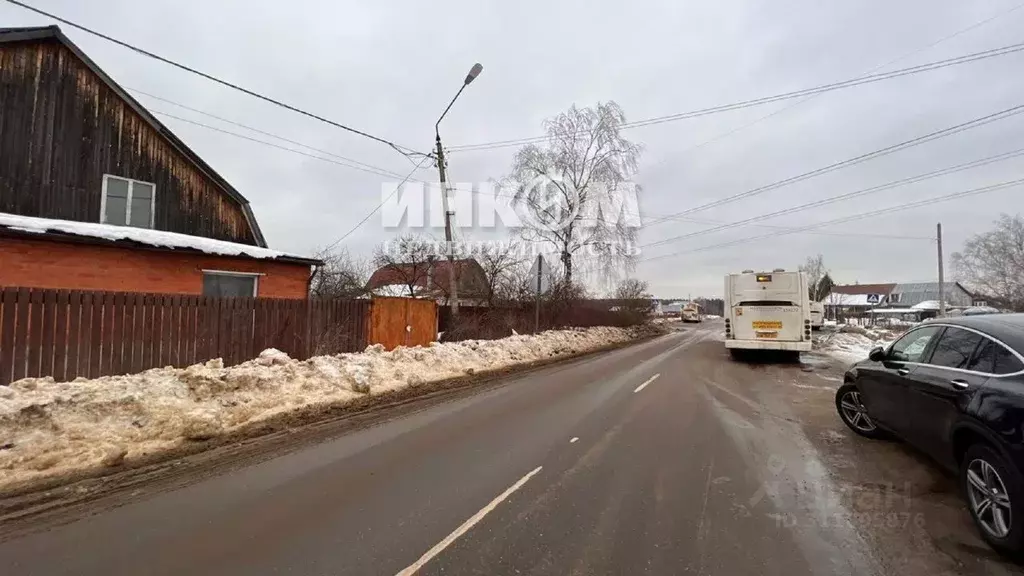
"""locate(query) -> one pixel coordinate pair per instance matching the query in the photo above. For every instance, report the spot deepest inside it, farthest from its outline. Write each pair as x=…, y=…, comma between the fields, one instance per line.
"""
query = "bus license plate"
x=768, y=335
x=766, y=325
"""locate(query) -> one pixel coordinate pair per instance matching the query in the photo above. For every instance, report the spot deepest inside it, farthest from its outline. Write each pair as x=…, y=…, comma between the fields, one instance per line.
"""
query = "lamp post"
x=453, y=289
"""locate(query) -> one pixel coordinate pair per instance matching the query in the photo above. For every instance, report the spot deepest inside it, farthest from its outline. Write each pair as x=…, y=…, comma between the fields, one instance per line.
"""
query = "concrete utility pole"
x=453, y=281
x=942, y=287
x=536, y=309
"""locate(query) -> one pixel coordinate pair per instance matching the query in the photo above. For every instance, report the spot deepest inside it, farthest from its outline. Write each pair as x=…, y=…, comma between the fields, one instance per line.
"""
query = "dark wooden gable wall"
x=62, y=128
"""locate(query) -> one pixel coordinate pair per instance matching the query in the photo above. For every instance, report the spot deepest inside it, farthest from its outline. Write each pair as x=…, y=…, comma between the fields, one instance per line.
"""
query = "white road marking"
x=466, y=526
x=644, y=385
x=574, y=440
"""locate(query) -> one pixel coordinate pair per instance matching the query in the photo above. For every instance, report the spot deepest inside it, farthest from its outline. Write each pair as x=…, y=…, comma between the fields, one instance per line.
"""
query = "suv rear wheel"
x=994, y=497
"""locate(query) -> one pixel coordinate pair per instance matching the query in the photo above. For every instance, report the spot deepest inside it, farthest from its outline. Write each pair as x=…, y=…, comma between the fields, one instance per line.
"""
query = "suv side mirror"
x=877, y=354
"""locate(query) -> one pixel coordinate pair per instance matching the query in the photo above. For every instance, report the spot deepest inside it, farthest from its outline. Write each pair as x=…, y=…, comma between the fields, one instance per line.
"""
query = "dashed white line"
x=644, y=385
x=466, y=526
x=574, y=440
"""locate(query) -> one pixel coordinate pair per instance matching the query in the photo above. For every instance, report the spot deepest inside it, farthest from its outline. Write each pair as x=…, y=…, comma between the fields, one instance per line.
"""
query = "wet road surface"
x=661, y=458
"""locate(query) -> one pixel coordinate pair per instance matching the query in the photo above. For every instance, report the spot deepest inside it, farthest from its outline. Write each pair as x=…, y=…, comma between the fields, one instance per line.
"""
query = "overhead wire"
x=379, y=206
x=842, y=220
x=404, y=150
x=927, y=67
x=348, y=164
x=876, y=68
x=936, y=135
x=369, y=167
x=846, y=196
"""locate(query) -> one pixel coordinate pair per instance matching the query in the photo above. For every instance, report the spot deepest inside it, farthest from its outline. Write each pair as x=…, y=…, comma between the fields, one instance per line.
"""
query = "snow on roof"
x=837, y=299
x=156, y=238
x=894, y=311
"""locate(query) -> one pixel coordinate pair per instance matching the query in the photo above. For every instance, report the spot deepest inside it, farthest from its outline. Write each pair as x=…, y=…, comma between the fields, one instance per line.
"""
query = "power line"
x=254, y=129
x=876, y=68
x=819, y=232
x=348, y=164
x=939, y=64
x=212, y=78
x=945, y=132
x=379, y=206
x=847, y=196
x=882, y=211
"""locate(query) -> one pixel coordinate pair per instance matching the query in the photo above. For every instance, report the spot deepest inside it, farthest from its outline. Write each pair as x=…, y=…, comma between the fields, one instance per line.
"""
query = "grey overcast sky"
x=389, y=68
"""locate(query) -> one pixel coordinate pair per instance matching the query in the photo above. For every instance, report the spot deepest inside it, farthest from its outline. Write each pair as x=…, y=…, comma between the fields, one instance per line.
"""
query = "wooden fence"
x=67, y=333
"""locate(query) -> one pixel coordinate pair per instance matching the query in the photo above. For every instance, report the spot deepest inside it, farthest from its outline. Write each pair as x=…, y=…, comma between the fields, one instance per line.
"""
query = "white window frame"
x=254, y=275
x=128, y=207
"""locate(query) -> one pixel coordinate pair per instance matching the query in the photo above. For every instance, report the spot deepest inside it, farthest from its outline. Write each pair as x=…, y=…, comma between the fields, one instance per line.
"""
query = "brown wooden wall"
x=62, y=128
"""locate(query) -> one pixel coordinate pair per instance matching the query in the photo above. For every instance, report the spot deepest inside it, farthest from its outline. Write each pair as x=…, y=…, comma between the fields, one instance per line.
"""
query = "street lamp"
x=453, y=289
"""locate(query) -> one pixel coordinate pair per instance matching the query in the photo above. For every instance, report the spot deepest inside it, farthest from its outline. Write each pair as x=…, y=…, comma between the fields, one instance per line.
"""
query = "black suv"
x=954, y=388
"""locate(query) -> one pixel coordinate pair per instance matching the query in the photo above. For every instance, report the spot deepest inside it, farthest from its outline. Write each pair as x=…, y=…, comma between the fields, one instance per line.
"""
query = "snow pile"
x=158, y=238
x=853, y=343
x=50, y=429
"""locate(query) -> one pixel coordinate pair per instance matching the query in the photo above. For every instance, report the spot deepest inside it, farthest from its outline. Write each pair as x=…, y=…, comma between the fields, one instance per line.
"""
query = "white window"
x=894, y=298
x=225, y=284
x=127, y=202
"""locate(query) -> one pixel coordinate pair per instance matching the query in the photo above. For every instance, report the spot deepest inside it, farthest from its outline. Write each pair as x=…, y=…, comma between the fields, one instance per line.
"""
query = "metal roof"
x=863, y=289
x=47, y=32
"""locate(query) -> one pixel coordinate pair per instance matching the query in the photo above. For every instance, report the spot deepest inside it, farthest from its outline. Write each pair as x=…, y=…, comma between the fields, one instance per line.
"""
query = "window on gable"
x=127, y=202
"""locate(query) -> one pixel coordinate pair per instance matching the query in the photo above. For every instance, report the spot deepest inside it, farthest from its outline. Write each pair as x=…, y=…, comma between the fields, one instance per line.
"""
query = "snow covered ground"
x=50, y=429
x=853, y=343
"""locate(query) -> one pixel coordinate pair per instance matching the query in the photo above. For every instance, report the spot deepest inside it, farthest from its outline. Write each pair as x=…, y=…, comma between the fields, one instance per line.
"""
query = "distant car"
x=817, y=315
x=979, y=310
x=954, y=388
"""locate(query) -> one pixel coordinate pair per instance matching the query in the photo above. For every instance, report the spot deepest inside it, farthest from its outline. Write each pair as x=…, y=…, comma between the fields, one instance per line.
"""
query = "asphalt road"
x=660, y=458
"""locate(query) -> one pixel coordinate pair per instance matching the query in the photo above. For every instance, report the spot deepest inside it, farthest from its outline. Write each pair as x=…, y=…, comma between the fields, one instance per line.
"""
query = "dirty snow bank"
x=853, y=343
x=51, y=429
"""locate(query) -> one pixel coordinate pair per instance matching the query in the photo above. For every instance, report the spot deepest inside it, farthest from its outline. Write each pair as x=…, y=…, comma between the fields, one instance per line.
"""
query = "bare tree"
x=405, y=261
x=992, y=263
x=632, y=289
x=636, y=300
x=341, y=276
x=573, y=188
x=815, y=269
x=500, y=263
x=516, y=284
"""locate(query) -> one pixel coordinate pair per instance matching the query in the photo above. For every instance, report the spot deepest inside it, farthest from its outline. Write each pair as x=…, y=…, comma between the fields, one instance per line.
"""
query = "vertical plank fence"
x=69, y=334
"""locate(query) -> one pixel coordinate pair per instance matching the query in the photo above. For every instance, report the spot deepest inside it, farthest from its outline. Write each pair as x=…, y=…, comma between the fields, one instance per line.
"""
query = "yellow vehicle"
x=691, y=313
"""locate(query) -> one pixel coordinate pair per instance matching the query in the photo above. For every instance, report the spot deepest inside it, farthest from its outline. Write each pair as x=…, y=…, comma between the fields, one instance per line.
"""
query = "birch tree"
x=569, y=191
x=992, y=263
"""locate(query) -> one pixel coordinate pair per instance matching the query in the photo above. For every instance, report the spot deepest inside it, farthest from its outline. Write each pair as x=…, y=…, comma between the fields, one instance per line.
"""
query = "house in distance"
x=97, y=194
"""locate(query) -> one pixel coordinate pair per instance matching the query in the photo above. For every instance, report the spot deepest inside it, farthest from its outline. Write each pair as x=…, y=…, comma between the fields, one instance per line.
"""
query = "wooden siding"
x=62, y=128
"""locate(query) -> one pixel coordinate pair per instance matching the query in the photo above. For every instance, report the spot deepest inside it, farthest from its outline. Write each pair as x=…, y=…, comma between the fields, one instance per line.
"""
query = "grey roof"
x=927, y=287
x=46, y=32
x=913, y=293
x=1006, y=327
